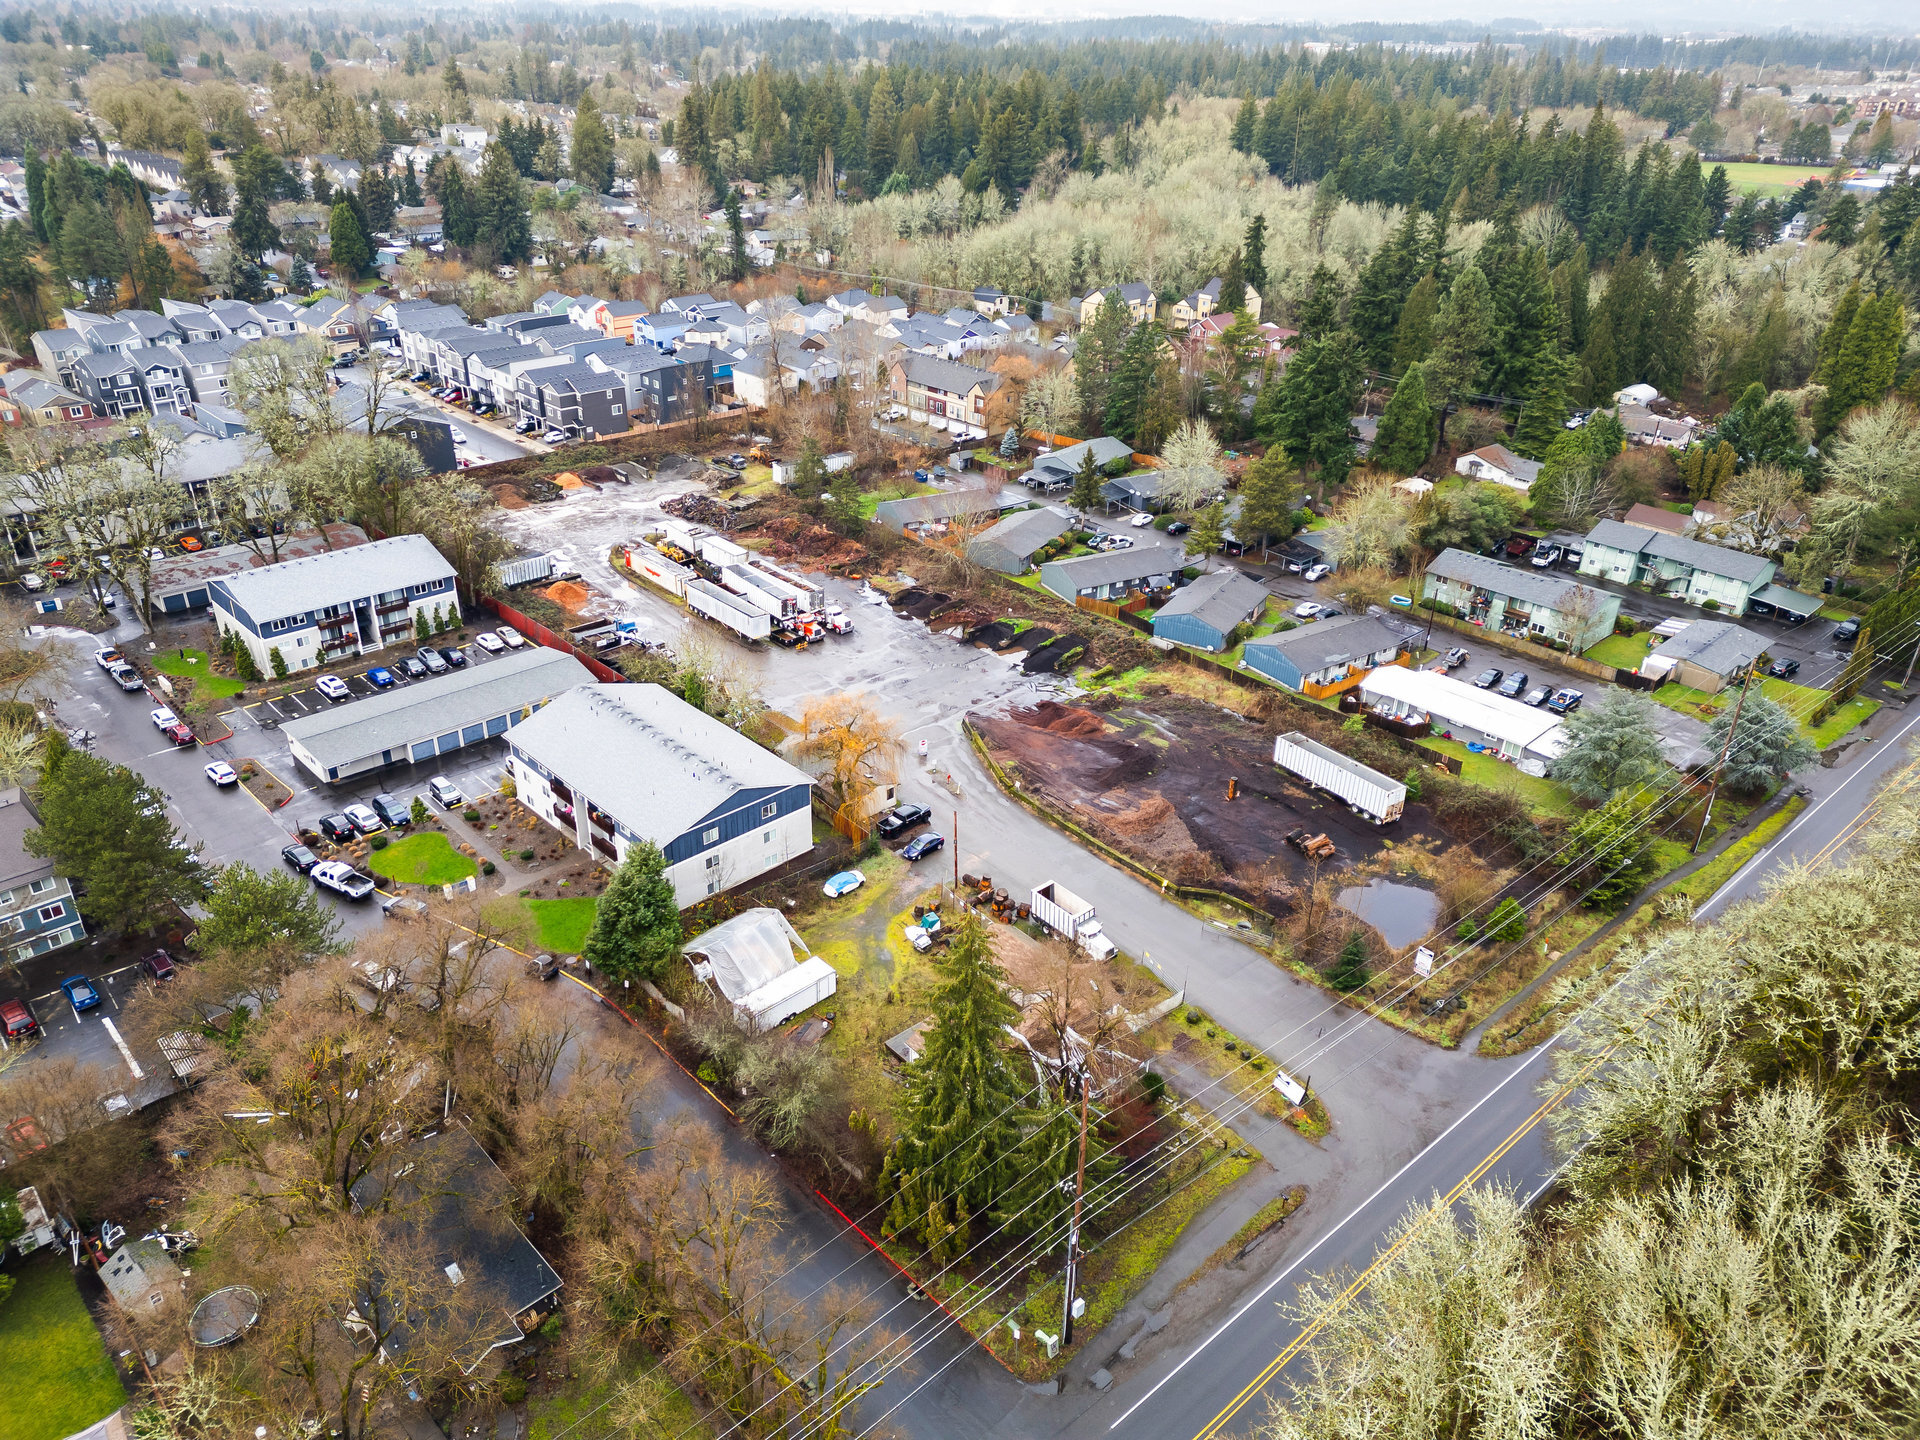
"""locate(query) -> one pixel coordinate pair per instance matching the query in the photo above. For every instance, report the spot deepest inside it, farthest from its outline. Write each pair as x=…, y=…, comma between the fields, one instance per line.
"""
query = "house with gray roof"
x=1114, y=574
x=1527, y=604
x=56, y=350
x=942, y=393
x=1711, y=576
x=1054, y=472
x=1009, y=545
x=1327, y=656
x=416, y=723
x=1707, y=655
x=612, y=765
x=964, y=502
x=111, y=382
x=1205, y=614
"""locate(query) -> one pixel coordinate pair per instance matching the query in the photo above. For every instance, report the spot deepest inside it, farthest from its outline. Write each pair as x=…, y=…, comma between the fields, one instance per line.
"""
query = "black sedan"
x=299, y=857
x=1784, y=669
x=1487, y=679
x=453, y=655
x=1846, y=630
x=1513, y=685
x=902, y=819
x=922, y=846
x=337, y=828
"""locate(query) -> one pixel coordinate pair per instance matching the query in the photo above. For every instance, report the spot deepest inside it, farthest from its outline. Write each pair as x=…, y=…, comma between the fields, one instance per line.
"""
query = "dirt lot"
x=1153, y=783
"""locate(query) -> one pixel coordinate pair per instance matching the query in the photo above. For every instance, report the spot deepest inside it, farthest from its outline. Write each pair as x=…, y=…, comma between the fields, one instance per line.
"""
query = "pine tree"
x=1209, y=532
x=1094, y=362
x=1233, y=286
x=1253, y=253
x=1318, y=313
x=960, y=1119
x=736, y=237
x=1241, y=135
x=254, y=177
x=636, y=925
x=1867, y=363
x=1382, y=290
x=1543, y=418
x=376, y=198
x=1414, y=338
x=1526, y=326
x=592, y=155
x=1087, y=484
x=809, y=471
x=206, y=190
x=1133, y=379
x=1408, y=428
x=500, y=218
x=1349, y=970
x=457, y=219
x=1462, y=339
x=1835, y=335
x=1269, y=494
x=351, y=252
x=422, y=627
x=279, y=663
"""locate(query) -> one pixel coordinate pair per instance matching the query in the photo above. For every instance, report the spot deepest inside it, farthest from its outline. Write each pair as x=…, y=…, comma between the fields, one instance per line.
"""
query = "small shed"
x=761, y=966
x=1206, y=613
x=141, y=1276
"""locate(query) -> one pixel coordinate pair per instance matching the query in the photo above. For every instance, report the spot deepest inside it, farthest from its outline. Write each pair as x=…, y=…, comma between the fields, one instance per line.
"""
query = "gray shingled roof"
x=395, y=718
x=1019, y=535
x=948, y=375
x=1716, y=645
x=1713, y=559
x=1223, y=600
x=1337, y=641
x=295, y=586
x=1083, y=572
x=647, y=758
x=1508, y=580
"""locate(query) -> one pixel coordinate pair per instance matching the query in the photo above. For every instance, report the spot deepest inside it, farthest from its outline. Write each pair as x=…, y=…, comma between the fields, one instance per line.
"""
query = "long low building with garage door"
x=432, y=717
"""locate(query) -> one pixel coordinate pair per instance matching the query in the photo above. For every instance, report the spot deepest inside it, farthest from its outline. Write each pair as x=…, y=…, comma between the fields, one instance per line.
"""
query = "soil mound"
x=567, y=595
x=1153, y=830
x=508, y=497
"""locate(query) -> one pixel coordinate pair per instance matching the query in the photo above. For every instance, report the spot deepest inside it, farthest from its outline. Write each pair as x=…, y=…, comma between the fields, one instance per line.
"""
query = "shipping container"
x=744, y=583
x=523, y=569
x=720, y=552
x=684, y=534
x=658, y=569
x=811, y=596
x=1379, y=798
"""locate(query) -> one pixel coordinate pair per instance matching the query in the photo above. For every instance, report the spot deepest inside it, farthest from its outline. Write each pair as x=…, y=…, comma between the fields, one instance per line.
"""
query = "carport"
x=1792, y=606
x=431, y=717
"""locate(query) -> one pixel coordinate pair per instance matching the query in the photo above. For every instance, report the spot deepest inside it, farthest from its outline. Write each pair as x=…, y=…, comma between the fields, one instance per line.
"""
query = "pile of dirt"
x=795, y=537
x=1068, y=766
x=1060, y=719
x=568, y=596
x=700, y=509
x=1152, y=829
x=567, y=480
x=508, y=497
x=1061, y=653
x=920, y=604
x=994, y=635
x=600, y=475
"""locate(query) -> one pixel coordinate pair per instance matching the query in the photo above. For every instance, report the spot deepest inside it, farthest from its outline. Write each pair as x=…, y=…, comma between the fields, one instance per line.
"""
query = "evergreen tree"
x=1382, y=291
x=1612, y=745
x=1526, y=327
x=376, y=198
x=1318, y=313
x=1209, y=532
x=1241, y=135
x=592, y=154
x=1543, y=418
x=351, y=252
x=1308, y=411
x=254, y=180
x=457, y=219
x=1765, y=431
x=1253, y=254
x=736, y=237
x=960, y=1118
x=1087, y=484
x=104, y=827
x=1349, y=970
x=205, y=188
x=1233, y=286
x=1717, y=198
x=1868, y=362
x=410, y=187
x=1834, y=337
x=1133, y=379
x=1414, y=338
x=636, y=924
x=500, y=218
x=1269, y=495
x=809, y=471
x=1408, y=428
x=1462, y=339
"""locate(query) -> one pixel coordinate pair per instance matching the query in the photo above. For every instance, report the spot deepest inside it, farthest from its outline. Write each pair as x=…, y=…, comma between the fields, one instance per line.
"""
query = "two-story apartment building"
x=662, y=388
x=1683, y=569
x=111, y=382
x=37, y=908
x=1526, y=604
x=942, y=393
x=318, y=608
x=1191, y=309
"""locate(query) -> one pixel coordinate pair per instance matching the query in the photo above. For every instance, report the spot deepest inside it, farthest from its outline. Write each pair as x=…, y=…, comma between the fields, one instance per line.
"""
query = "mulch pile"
x=567, y=595
x=796, y=537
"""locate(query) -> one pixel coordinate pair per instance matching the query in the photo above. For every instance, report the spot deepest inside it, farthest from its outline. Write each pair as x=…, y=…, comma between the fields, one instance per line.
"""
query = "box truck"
x=1065, y=913
x=1365, y=791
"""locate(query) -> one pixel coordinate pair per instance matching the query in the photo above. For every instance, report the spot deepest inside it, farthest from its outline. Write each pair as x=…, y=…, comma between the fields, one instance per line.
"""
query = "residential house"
x=315, y=609
x=990, y=301
x=1141, y=490
x=343, y=325
x=663, y=330
x=205, y=364
x=1645, y=427
x=464, y=137
x=1205, y=614
x=919, y=512
x=684, y=304
x=57, y=350
x=1203, y=303
x=112, y=383
x=1115, y=575
x=41, y=401
x=1137, y=296
x=575, y=399
x=344, y=174
x=1529, y=738
x=943, y=393
x=1528, y=604
x=612, y=765
x=1054, y=472
x=1500, y=465
x=1019, y=327
x=617, y=318
x=38, y=911
x=1706, y=655
x=589, y=312
x=1657, y=517
x=526, y=324
x=1009, y=545
x=1710, y=576
x=1327, y=656
x=156, y=172
x=662, y=389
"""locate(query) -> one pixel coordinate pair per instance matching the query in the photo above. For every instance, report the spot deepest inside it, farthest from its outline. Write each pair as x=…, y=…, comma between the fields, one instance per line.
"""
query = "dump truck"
x=1365, y=791
x=1066, y=914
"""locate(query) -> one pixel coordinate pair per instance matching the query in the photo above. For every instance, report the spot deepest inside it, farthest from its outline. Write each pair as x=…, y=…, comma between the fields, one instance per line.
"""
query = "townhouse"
x=38, y=911
x=1710, y=576
x=1527, y=604
x=942, y=393
x=1137, y=296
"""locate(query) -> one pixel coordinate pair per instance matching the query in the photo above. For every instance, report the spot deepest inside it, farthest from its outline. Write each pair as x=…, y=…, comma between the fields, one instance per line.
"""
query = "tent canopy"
x=753, y=949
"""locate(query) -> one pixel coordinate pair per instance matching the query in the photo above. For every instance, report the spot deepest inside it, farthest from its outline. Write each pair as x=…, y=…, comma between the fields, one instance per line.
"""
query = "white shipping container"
x=684, y=534
x=840, y=460
x=721, y=552
x=812, y=597
x=1380, y=798
x=728, y=609
x=521, y=569
x=795, y=597
x=658, y=569
x=740, y=581
x=786, y=995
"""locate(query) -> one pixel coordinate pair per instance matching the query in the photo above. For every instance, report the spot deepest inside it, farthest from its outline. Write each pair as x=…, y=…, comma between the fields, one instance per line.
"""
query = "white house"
x=1499, y=465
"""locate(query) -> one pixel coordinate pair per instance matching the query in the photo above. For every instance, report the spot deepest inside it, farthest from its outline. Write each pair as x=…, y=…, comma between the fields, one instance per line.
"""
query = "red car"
x=180, y=733
x=159, y=965
x=16, y=1018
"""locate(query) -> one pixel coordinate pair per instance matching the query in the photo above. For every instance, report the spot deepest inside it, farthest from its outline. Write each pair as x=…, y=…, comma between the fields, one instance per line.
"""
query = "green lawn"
x=194, y=665
x=563, y=923
x=1542, y=796
x=1770, y=179
x=1801, y=700
x=57, y=1370
x=424, y=859
x=1854, y=712
x=1623, y=652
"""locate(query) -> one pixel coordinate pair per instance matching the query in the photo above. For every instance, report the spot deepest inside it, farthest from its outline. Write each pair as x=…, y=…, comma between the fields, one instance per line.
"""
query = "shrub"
x=417, y=812
x=1413, y=783
x=279, y=663
x=470, y=815
x=243, y=664
x=526, y=854
x=1193, y=1017
x=1709, y=604
x=1354, y=724
x=379, y=841
x=508, y=789
x=550, y=1327
x=1625, y=625
x=1467, y=929
x=1349, y=971
x=513, y=1389
x=1508, y=921
x=1154, y=1085
x=487, y=867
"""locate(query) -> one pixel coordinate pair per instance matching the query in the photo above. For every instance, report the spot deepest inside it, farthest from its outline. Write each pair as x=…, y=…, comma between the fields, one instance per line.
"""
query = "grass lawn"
x=1801, y=700
x=563, y=923
x=424, y=859
x=1542, y=796
x=194, y=665
x=1834, y=612
x=1623, y=652
x=57, y=1369
x=1770, y=179
x=581, y=1409
x=1854, y=712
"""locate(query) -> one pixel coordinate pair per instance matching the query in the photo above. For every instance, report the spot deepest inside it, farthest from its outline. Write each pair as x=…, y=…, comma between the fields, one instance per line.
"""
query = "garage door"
x=423, y=750
x=497, y=725
x=473, y=734
x=449, y=741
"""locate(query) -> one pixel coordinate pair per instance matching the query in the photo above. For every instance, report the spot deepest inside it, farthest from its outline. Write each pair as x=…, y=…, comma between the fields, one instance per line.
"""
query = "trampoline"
x=224, y=1316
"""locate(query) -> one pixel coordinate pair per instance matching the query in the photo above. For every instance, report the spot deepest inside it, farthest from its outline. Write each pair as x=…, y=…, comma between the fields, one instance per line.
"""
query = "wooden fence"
x=1545, y=654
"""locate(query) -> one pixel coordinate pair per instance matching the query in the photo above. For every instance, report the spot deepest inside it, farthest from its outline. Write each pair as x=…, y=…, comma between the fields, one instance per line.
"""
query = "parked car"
x=108, y=658
x=1537, y=696
x=181, y=734
x=1487, y=679
x=299, y=857
x=555, y=437
x=364, y=819
x=380, y=678
x=1565, y=701
x=1307, y=610
x=127, y=678
x=1317, y=573
x=512, y=638
x=333, y=687
x=1178, y=527
x=17, y=1020
x=1142, y=520
x=336, y=827
x=162, y=718
x=1456, y=657
x=222, y=774
x=1846, y=631
x=431, y=658
x=1513, y=685
x=453, y=656
x=1784, y=669
x=445, y=793
x=343, y=879
x=413, y=668
x=81, y=993
x=32, y=582
x=489, y=642
x=901, y=819
x=459, y=435
x=159, y=966
x=1546, y=557
x=844, y=883
x=922, y=846
x=390, y=809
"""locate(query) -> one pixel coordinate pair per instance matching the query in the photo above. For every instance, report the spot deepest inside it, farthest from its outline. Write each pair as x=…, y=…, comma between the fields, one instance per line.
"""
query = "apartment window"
x=52, y=912
x=713, y=862
x=617, y=410
x=38, y=887
x=710, y=837
x=769, y=810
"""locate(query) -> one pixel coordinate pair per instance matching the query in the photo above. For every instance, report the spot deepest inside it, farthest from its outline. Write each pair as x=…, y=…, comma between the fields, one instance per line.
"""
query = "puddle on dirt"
x=1401, y=913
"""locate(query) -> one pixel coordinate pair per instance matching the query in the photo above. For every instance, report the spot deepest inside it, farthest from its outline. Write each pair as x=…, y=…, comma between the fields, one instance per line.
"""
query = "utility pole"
x=1714, y=792
x=956, y=852
x=1073, y=1230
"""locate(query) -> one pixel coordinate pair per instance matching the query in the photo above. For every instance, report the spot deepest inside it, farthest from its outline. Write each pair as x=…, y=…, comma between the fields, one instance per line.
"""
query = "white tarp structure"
x=1516, y=732
x=759, y=963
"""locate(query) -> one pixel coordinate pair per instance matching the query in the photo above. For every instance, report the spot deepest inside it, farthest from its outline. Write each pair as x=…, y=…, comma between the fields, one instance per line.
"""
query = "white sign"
x=1290, y=1087
x=1423, y=962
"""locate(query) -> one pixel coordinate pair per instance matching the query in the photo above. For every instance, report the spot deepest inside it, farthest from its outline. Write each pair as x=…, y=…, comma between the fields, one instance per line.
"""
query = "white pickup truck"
x=343, y=879
x=1065, y=913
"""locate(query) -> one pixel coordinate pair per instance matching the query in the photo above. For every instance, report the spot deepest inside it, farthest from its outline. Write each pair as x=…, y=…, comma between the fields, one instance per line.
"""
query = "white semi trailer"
x=1379, y=798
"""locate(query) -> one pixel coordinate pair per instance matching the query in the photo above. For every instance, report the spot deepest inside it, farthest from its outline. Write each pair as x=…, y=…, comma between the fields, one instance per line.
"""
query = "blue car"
x=80, y=993
x=380, y=678
x=922, y=846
